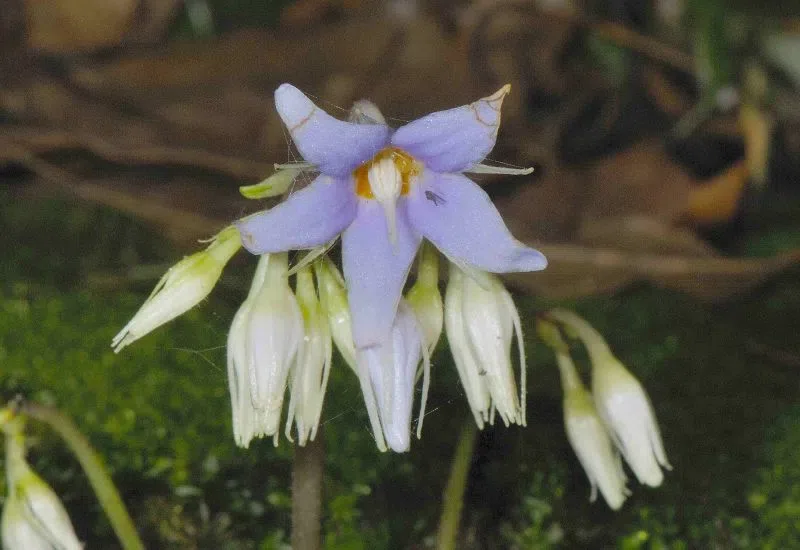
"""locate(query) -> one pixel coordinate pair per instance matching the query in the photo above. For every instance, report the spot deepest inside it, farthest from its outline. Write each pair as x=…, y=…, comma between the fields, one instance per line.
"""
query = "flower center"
x=385, y=178
x=383, y=173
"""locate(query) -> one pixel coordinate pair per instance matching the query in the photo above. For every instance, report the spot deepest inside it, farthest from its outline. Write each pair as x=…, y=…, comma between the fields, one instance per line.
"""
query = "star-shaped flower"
x=385, y=190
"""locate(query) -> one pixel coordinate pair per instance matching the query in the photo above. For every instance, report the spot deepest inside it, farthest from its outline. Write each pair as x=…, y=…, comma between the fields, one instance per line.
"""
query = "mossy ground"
x=159, y=414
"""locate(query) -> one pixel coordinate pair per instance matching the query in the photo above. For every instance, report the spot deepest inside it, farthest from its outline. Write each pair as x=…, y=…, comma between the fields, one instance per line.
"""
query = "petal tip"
x=530, y=259
x=540, y=261
x=293, y=106
x=496, y=99
x=284, y=90
x=248, y=239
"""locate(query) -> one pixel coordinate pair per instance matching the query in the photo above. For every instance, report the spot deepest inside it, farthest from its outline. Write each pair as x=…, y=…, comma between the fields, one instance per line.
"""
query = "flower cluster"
x=615, y=418
x=33, y=516
x=392, y=195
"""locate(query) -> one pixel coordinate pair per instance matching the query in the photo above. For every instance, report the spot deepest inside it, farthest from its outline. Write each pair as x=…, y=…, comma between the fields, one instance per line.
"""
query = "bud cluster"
x=616, y=418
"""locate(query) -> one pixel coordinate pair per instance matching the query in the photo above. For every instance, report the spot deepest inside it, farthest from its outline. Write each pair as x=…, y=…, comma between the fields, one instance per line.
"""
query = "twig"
x=179, y=225
x=308, y=467
x=38, y=141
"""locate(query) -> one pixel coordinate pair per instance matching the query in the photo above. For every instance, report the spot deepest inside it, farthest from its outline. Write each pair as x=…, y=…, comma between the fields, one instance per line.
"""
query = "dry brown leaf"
x=716, y=200
x=574, y=271
x=641, y=180
x=642, y=234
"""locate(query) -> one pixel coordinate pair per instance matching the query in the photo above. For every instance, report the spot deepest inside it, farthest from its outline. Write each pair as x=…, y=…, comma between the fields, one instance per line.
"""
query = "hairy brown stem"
x=307, y=470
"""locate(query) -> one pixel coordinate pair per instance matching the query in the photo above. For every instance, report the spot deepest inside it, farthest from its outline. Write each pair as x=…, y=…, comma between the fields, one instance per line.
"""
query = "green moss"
x=774, y=494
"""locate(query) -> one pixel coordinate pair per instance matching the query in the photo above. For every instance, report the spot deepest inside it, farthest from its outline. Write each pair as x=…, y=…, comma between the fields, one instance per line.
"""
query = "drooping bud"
x=264, y=339
x=425, y=298
x=181, y=288
x=364, y=111
x=585, y=430
x=622, y=404
x=481, y=321
x=33, y=516
x=388, y=373
x=312, y=365
x=333, y=298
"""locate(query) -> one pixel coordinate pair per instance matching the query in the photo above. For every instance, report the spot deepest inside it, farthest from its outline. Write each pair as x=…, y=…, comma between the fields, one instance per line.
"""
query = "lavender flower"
x=384, y=190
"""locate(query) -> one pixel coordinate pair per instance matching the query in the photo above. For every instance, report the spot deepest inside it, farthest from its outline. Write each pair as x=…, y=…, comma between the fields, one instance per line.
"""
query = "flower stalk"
x=453, y=498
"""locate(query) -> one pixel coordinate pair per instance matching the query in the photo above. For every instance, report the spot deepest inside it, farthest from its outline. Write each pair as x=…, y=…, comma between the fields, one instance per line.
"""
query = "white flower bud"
x=312, y=365
x=364, y=111
x=626, y=410
x=387, y=373
x=333, y=297
x=33, y=516
x=265, y=336
x=425, y=298
x=481, y=322
x=588, y=437
x=181, y=288
x=622, y=404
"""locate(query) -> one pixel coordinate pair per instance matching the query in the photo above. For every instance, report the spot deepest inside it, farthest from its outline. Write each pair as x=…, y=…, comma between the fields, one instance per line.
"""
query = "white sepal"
x=181, y=288
x=504, y=170
x=275, y=185
x=312, y=365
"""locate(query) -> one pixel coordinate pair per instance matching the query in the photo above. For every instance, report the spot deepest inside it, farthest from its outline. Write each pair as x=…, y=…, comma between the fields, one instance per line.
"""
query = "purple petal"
x=311, y=217
x=454, y=140
x=457, y=216
x=336, y=147
x=376, y=269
